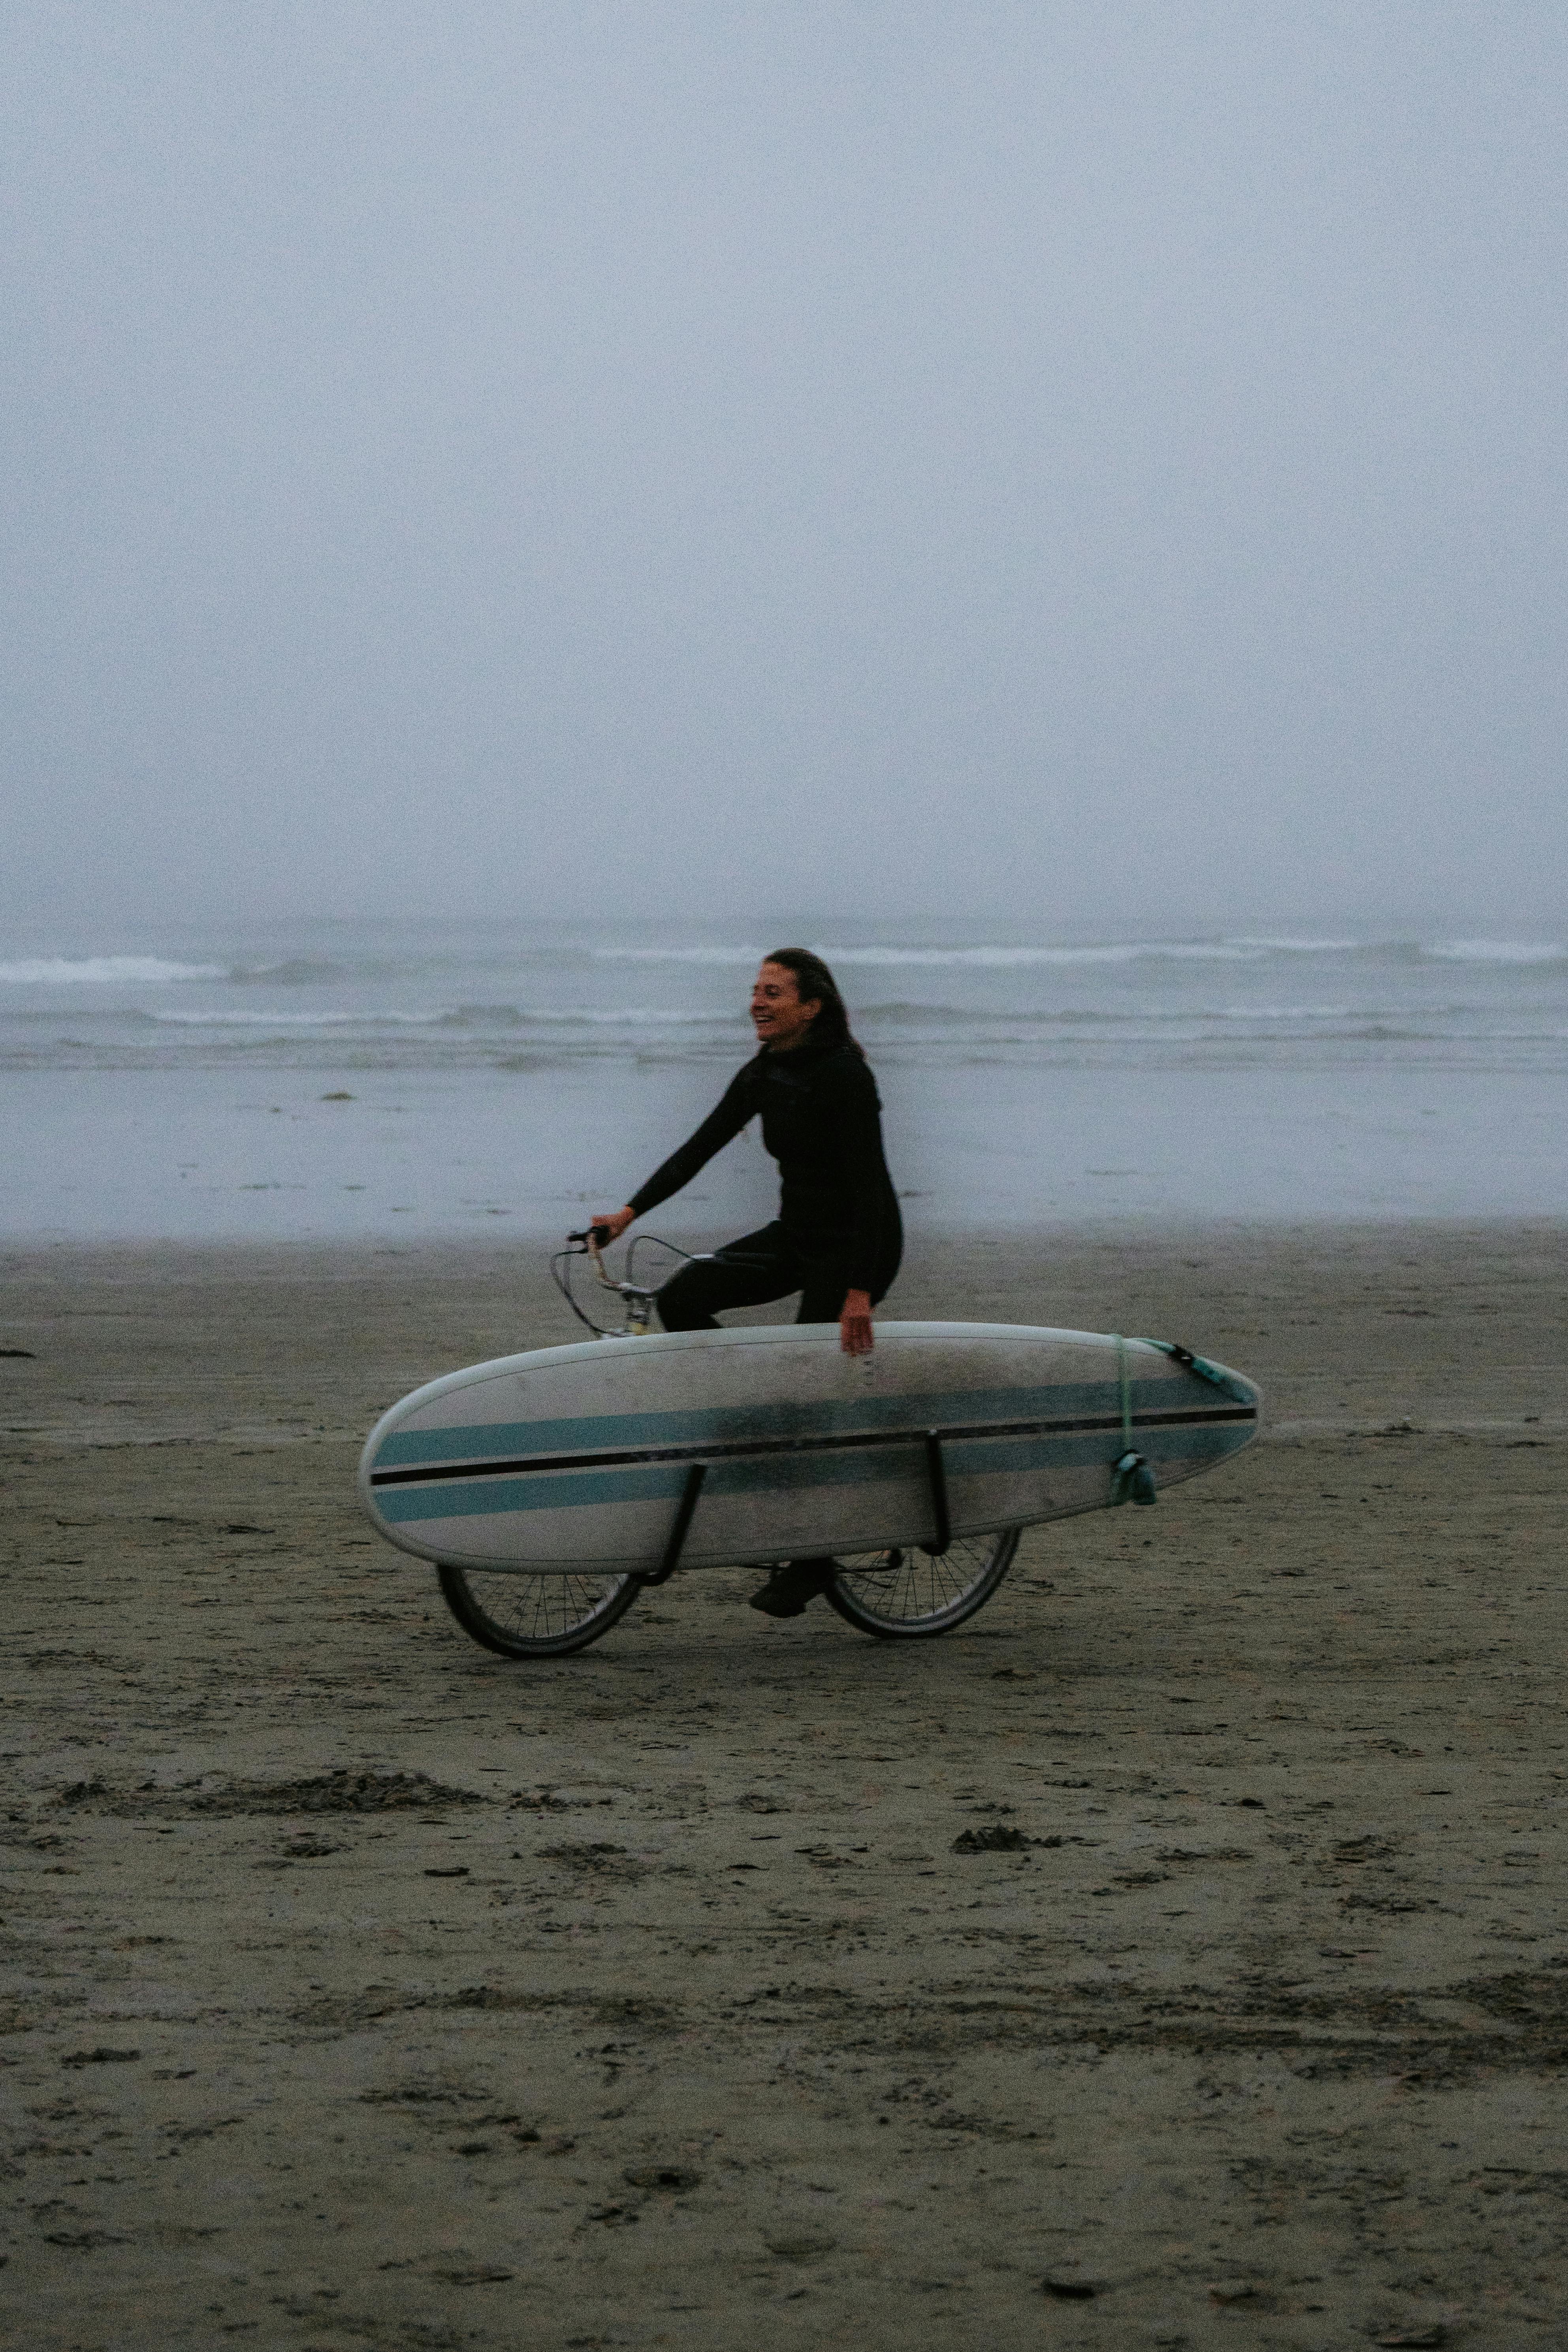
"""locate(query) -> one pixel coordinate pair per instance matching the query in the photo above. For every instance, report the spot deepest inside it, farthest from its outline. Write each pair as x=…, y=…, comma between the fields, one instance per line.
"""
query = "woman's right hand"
x=613, y=1222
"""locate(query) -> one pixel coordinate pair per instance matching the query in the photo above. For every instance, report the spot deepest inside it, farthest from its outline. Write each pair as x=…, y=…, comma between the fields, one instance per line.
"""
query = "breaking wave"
x=1502, y=951
x=298, y=972
x=460, y=1017
x=101, y=972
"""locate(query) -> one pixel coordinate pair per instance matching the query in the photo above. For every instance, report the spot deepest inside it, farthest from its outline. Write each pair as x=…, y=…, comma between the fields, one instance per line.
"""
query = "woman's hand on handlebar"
x=855, y=1324
x=611, y=1222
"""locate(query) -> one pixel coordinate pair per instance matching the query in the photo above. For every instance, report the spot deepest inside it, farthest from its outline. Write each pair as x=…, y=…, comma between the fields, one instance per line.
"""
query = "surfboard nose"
x=1224, y=1377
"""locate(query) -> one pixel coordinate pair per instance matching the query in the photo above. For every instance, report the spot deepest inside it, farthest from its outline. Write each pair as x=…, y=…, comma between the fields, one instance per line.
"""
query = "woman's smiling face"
x=778, y=1016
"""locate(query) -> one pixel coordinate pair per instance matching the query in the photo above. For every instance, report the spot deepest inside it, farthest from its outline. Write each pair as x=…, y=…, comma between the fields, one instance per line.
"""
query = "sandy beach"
x=366, y=1990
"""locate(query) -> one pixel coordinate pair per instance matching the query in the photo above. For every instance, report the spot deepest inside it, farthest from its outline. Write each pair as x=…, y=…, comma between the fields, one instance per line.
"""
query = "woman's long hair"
x=813, y=979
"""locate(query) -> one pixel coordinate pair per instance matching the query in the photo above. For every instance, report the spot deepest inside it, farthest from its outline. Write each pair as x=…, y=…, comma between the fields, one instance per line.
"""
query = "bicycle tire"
x=912, y=1595
x=535, y=1616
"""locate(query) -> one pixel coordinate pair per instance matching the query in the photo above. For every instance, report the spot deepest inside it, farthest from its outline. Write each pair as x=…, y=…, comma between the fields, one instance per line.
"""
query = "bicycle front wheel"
x=535, y=1616
x=908, y=1595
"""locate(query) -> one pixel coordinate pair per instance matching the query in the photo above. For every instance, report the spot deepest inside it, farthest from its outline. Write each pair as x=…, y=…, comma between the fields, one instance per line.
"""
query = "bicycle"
x=908, y=1594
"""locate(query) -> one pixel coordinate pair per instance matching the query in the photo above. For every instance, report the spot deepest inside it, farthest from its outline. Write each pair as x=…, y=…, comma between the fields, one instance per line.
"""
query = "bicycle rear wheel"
x=911, y=1595
x=535, y=1616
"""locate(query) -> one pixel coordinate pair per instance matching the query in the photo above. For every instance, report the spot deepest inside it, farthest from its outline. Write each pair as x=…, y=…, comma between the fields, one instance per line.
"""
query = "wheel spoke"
x=535, y=1616
x=913, y=1593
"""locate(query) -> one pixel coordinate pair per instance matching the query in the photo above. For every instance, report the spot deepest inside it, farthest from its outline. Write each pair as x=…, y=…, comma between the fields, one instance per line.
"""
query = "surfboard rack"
x=685, y=1512
x=936, y=1478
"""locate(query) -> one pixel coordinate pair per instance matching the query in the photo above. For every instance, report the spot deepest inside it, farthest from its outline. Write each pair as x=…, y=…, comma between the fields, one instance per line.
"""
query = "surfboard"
x=762, y=1444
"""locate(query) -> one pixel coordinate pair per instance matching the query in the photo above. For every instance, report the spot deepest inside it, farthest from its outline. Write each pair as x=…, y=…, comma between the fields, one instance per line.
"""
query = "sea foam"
x=109, y=971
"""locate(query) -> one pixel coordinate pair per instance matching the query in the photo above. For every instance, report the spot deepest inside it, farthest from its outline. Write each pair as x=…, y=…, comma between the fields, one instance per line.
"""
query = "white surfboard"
x=766, y=1444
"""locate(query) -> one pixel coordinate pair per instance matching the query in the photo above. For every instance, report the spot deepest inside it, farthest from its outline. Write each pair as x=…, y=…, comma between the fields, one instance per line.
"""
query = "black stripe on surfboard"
x=754, y=1449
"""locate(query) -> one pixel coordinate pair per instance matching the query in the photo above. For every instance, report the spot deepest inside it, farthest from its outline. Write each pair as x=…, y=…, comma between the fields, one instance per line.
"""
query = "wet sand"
x=365, y=1990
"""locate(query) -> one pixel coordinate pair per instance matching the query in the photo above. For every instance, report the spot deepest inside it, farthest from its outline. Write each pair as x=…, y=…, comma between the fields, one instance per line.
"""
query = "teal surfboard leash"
x=1131, y=1480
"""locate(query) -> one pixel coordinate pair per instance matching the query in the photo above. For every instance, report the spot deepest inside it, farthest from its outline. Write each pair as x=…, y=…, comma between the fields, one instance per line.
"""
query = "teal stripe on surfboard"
x=610, y=1433
x=562, y=1490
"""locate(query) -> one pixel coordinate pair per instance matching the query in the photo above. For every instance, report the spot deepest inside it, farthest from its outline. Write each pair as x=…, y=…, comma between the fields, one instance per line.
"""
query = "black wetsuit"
x=838, y=1228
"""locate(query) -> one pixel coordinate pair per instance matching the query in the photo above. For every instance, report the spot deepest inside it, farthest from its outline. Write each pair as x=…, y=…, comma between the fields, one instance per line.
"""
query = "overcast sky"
x=1076, y=464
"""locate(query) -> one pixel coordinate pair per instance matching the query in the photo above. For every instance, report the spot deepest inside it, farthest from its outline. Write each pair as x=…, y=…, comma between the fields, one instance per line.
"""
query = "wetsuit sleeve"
x=725, y=1121
x=865, y=1178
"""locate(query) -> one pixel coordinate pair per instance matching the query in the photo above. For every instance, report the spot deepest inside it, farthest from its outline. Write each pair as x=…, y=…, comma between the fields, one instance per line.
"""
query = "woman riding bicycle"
x=838, y=1237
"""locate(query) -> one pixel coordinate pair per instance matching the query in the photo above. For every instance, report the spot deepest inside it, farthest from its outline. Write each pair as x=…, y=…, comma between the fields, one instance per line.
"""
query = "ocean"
x=351, y=1080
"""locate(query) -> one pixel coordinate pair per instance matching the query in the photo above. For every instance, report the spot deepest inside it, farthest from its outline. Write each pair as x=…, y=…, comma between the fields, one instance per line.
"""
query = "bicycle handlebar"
x=638, y=1297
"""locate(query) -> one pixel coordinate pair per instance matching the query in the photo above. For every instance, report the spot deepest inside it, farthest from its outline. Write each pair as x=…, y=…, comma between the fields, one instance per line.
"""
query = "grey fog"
x=1046, y=466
